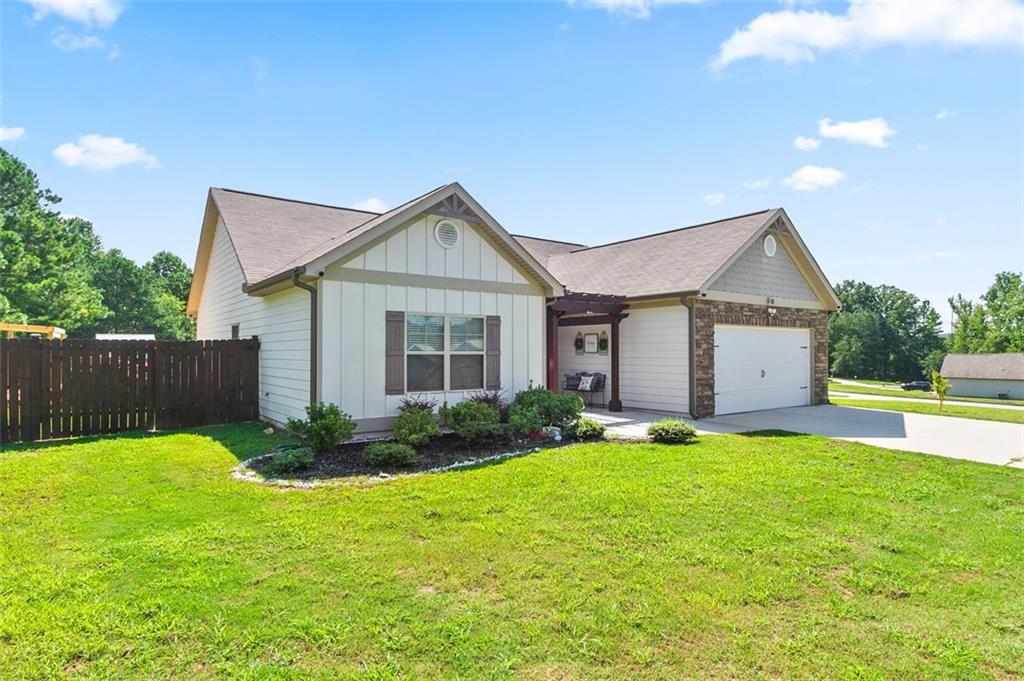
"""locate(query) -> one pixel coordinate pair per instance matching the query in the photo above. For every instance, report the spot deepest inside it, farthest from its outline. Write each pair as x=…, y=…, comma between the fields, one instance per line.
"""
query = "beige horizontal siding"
x=281, y=320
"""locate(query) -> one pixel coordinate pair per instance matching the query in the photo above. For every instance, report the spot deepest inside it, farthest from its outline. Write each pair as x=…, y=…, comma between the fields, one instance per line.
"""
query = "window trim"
x=447, y=352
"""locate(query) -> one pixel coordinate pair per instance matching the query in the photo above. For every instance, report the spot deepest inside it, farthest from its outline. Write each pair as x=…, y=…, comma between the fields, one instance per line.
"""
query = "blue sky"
x=583, y=121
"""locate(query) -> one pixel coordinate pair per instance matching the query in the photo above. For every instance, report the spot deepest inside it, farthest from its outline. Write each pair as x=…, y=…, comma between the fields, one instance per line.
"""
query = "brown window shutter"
x=492, y=368
x=394, y=341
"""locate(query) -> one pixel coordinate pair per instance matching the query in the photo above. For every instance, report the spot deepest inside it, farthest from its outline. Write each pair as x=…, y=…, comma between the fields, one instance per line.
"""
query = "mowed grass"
x=914, y=394
x=772, y=556
x=932, y=408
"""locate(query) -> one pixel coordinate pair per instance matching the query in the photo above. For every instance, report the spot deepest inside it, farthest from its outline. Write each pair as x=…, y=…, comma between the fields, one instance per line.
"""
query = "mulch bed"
x=347, y=459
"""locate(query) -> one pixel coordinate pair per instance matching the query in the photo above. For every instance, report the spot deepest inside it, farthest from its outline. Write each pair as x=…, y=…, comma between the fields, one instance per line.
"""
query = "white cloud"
x=812, y=178
x=91, y=13
x=96, y=152
x=762, y=183
x=799, y=36
x=71, y=42
x=714, y=199
x=372, y=204
x=944, y=114
x=921, y=146
x=633, y=9
x=11, y=134
x=806, y=143
x=872, y=131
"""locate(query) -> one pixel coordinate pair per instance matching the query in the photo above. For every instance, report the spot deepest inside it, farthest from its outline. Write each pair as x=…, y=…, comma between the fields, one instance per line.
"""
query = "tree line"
x=883, y=332
x=55, y=271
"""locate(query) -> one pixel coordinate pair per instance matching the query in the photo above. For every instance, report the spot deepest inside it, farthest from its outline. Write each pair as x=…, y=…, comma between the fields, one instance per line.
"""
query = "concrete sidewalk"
x=983, y=441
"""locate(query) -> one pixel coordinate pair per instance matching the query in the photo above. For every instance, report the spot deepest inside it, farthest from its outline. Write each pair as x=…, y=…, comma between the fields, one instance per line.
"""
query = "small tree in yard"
x=941, y=386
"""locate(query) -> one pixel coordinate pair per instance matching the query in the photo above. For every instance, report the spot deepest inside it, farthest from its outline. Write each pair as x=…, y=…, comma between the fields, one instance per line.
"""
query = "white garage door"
x=758, y=367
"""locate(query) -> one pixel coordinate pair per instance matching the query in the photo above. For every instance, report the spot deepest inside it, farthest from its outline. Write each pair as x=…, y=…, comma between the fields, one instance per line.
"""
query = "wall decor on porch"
x=602, y=343
x=590, y=345
x=578, y=343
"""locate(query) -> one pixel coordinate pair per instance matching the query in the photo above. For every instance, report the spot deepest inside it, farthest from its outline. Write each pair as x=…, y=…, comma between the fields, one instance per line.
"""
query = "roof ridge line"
x=671, y=231
x=553, y=241
x=307, y=203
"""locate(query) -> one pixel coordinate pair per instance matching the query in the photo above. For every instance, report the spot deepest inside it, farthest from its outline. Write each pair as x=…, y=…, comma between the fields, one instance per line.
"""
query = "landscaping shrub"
x=324, y=426
x=586, y=429
x=417, y=402
x=288, y=461
x=466, y=412
x=482, y=434
x=493, y=398
x=415, y=427
x=524, y=419
x=390, y=455
x=554, y=409
x=671, y=431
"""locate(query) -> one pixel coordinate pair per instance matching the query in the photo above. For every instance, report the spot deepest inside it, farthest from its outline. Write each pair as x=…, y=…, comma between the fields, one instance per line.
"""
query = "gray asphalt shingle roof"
x=997, y=366
x=669, y=262
x=268, y=233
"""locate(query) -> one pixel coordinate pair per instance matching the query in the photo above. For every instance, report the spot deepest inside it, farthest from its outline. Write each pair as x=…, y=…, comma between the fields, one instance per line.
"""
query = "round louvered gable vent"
x=446, y=233
x=769, y=245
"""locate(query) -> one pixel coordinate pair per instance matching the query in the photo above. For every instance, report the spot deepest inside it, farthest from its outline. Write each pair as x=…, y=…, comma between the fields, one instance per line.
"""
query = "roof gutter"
x=312, y=329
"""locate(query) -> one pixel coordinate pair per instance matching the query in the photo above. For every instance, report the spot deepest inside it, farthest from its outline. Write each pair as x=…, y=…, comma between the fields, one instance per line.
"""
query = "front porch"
x=583, y=336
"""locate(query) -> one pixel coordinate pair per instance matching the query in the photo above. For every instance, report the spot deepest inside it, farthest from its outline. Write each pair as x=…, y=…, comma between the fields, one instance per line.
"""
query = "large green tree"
x=883, y=332
x=44, y=257
x=53, y=270
x=996, y=323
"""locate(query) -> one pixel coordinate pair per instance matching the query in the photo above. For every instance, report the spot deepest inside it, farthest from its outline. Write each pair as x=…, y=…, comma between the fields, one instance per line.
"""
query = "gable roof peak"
x=680, y=229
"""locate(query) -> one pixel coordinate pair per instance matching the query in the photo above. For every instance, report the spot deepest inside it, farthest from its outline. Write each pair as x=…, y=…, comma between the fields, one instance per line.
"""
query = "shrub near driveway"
x=736, y=557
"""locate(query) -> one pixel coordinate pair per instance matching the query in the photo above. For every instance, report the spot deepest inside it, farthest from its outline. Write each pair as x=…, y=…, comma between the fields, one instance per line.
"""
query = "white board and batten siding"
x=354, y=309
x=571, y=362
x=654, y=359
x=281, y=320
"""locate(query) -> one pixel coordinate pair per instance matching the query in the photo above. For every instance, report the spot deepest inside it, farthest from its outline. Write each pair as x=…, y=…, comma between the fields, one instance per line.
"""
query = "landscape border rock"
x=245, y=473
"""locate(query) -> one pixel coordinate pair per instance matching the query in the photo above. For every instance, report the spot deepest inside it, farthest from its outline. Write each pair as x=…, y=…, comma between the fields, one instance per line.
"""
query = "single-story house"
x=985, y=375
x=434, y=296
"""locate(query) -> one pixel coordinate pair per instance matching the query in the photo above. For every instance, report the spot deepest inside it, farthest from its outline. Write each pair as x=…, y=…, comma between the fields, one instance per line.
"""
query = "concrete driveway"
x=985, y=441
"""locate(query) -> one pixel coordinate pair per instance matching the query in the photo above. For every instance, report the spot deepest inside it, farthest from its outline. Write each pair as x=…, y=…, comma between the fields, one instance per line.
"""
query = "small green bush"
x=671, y=431
x=390, y=455
x=466, y=412
x=324, y=426
x=486, y=434
x=415, y=427
x=524, y=419
x=493, y=398
x=288, y=461
x=586, y=429
x=554, y=409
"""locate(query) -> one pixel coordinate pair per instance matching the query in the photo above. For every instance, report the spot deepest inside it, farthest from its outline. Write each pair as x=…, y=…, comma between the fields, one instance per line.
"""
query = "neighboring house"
x=434, y=296
x=985, y=375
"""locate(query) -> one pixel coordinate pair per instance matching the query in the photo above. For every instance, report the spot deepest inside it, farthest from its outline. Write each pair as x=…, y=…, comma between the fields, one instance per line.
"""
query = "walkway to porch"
x=633, y=424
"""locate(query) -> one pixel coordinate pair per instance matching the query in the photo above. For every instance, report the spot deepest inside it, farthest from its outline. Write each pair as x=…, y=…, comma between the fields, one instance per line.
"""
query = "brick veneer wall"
x=707, y=313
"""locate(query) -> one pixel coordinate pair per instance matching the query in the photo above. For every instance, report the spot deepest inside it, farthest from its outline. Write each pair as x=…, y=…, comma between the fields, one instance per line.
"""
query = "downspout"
x=312, y=330
x=689, y=303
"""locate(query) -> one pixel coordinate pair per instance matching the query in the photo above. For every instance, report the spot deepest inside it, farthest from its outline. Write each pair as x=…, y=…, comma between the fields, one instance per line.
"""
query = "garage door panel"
x=761, y=368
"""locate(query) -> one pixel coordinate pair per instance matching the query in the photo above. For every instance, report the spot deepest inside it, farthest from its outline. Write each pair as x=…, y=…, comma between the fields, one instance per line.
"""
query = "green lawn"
x=871, y=381
x=771, y=556
x=914, y=394
x=922, y=407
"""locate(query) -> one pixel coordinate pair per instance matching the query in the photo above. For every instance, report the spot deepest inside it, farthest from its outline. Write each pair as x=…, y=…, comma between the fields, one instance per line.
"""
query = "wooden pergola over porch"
x=579, y=309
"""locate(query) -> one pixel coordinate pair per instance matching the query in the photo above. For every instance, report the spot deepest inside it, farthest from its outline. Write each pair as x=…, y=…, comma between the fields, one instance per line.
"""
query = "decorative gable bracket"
x=455, y=207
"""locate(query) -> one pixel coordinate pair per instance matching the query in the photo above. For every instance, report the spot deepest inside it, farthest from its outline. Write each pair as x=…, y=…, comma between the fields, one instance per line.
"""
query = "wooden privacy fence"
x=66, y=388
